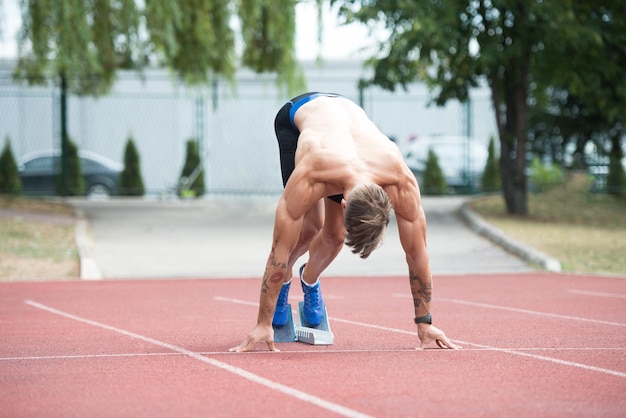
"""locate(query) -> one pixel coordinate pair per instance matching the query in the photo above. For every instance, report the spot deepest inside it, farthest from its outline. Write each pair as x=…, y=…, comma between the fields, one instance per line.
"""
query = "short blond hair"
x=366, y=217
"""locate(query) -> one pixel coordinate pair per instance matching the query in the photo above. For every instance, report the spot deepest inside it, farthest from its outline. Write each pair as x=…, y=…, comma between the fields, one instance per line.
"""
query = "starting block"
x=318, y=335
x=287, y=333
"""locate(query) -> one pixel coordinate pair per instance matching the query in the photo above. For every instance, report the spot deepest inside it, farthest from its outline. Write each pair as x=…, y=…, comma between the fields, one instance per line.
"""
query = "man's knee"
x=334, y=237
x=309, y=231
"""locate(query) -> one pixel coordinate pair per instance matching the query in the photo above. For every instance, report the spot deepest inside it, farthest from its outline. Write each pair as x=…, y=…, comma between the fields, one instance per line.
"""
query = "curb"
x=89, y=269
x=495, y=235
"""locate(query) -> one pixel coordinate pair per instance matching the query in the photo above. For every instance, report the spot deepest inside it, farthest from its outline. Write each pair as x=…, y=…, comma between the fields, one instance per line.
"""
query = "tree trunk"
x=512, y=88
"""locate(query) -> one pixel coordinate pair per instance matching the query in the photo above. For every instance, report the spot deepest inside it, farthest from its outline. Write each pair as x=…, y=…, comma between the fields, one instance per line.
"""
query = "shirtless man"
x=342, y=178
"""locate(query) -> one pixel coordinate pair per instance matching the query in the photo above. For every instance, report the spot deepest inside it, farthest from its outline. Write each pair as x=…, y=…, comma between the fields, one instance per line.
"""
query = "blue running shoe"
x=313, y=303
x=281, y=314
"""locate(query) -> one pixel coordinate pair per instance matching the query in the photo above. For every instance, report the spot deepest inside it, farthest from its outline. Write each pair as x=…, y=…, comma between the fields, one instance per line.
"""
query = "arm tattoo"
x=419, y=287
x=276, y=277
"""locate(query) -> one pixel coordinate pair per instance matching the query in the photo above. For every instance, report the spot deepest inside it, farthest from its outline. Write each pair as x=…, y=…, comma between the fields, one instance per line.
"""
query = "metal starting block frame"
x=318, y=335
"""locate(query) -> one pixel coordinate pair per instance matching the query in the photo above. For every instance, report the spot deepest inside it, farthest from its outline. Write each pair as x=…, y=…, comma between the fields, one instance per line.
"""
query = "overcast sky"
x=342, y=42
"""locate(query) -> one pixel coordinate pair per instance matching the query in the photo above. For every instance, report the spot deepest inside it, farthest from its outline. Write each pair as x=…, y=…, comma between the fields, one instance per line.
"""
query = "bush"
x=74, y=174
x=10, y=182
x=192, y=176
x=545, y=176
x=491, y=175
x=433, y=183
x=131, y=181
x=616, y=179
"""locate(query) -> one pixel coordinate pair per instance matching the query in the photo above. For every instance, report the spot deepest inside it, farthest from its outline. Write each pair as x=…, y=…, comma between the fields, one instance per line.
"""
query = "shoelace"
x=311, y=298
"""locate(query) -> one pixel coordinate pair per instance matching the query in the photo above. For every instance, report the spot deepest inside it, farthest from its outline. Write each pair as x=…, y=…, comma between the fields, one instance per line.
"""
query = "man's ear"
x=343, y=203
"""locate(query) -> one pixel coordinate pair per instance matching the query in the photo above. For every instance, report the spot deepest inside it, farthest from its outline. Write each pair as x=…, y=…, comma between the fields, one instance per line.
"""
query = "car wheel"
x=98, y=190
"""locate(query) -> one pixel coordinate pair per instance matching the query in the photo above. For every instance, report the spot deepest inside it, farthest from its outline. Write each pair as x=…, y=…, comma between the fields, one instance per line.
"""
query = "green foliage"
x=491, y=175
x=433, y=182
x=74, y=175
x=269, y=30
x=131, y=181
x=520, y=48
x=192, y=175
x=193, y=37
x=584, y=101
x=10, y=182
x=545, y=176
x=616, y=179
x=88, y=41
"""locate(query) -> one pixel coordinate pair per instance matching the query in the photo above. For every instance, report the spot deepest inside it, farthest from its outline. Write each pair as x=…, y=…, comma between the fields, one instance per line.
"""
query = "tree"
x=457, y=45
x=434, y=182
x=585, y=102
x=490, y=180
x=74, y=180
x=10, y=182
x=84, y=43
x=131, y=181
x=192, y=175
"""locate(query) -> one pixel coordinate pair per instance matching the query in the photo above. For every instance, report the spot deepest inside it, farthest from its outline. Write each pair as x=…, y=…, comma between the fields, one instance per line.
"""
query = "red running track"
x=540, y=345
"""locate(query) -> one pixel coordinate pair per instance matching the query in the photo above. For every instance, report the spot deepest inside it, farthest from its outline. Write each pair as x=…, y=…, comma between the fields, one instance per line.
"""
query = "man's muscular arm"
x=286, y=233
x=413, y=240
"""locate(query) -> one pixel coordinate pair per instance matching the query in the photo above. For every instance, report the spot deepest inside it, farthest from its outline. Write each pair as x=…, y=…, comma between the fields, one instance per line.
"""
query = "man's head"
x=367, y=214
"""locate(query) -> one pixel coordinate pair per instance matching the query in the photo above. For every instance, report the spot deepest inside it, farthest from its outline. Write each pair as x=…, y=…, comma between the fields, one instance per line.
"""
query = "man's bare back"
x=339, y=147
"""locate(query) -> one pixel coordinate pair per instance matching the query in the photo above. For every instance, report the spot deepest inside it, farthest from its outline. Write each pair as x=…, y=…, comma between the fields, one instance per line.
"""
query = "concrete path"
x=230, y=236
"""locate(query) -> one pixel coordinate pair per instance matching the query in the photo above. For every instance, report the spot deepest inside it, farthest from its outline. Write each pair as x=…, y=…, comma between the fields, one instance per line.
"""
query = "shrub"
x=545, y=176
x=616, y=179
x=192, y=176
x=10, y=182
x=491, y=175
x=75, y=181
x=433, y=183
x=131, y=181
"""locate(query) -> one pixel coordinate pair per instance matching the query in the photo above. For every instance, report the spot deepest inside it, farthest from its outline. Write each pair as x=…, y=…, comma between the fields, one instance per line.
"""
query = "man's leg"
x=327, y=244
x=312, y=224
x=323, y=250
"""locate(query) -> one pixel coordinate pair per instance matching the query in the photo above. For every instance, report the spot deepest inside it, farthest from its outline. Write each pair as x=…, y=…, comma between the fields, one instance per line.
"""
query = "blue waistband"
x=295, y=106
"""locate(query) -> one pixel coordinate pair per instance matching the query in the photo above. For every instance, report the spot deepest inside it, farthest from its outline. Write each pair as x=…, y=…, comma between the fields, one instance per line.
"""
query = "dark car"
x=38, y=172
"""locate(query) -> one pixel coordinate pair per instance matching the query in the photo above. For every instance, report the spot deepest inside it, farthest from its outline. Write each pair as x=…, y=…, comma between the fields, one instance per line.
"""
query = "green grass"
x=585, y=231
x=36, y=240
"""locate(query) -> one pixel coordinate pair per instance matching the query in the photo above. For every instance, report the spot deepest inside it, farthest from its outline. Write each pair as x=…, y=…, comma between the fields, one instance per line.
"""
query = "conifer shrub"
x=10, y=182
x=616, y=178
x=545, y=176
x=75, y=180
x=490, y=180
x=433, y=182
x=192, y=175
x=131, y=181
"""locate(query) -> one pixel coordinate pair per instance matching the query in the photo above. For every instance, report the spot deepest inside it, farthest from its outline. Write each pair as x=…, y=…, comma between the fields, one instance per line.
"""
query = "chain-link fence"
x=232, y=124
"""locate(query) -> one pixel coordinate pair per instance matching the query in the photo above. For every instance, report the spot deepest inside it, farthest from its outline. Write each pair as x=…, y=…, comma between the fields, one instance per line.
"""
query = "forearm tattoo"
x=276, y=277
x=420, y=288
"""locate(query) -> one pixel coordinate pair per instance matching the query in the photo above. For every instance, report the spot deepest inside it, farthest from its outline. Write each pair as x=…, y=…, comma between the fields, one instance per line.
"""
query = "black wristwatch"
x=428, y=319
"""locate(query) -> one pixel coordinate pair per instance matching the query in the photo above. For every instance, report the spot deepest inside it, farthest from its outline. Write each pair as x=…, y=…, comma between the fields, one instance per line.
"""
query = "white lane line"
x=518, y=310
x=552, y=360
x=600, y=294
x=315, y=351
x=287, y=390
x=237, y=301
x=486, y=347
x=502, y=350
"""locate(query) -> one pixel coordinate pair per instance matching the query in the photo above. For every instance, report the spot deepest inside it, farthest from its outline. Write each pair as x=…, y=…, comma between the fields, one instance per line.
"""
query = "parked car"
x=38, y=172
x=461, y=160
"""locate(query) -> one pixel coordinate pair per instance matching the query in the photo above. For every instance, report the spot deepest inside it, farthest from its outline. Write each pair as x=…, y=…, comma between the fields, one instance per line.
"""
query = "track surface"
x=536, y=344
